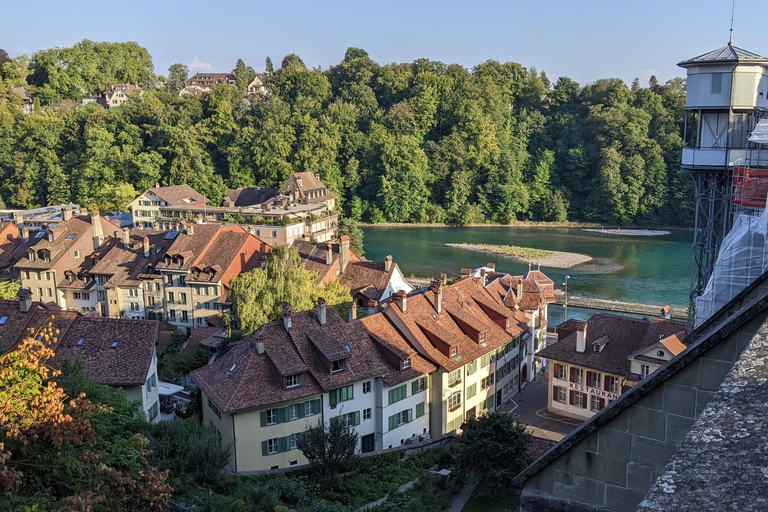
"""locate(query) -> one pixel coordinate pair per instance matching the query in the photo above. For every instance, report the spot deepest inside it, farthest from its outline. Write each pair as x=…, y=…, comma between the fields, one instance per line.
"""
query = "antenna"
x=733, y=10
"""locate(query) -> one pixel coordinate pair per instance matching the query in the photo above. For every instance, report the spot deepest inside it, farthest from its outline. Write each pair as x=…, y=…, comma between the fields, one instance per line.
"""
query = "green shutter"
x=303, y=411
x=282, y=414
x=420, y=410
x=281, y=444
x=264, y=448
x=264, y=419
x=415, y=387
x=357, y=418
x=318, y=407
x=409, y=416
x=351, y=392
x=333, y=397
x=392, y=422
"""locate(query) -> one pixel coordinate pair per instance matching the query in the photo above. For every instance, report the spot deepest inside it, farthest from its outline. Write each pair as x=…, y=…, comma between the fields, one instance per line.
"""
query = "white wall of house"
x=148, y=392
x=359, y=403
x=392, y=438
x=396, y=283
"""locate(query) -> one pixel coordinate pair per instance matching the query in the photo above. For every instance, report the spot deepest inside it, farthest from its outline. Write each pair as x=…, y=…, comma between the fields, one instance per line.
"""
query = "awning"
x=168, y=389
x=760, y=133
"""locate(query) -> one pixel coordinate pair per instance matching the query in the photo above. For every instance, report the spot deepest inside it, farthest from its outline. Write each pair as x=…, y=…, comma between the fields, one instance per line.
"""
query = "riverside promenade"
x=618, y=306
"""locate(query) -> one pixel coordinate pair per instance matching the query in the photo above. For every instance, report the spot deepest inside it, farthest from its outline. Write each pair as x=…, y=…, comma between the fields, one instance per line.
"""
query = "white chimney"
x=581, y=339
x=66, y=213
x=321, y=311
x=519, y=289
x=98, y=234
x=146, y=247
x=437, y=289
x=126, y=238
x=352, y=310
x=344, y=253
x=482, y=277
x=402, y=301
x=328, y=254
x=287, y=320
x=387, y=263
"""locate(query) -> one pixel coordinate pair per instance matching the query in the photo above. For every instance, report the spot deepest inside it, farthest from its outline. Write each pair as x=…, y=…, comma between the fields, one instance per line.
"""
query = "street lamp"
x=565, y=308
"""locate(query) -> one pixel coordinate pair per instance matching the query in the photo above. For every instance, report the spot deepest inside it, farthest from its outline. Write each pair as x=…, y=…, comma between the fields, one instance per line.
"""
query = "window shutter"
x=281, y=414
x=357, y=418
x=420, y=410
x=351, y=392
x=263, y=418
x=554, y=393
x=584, y=401
x=602, y=403
x=570, y=397
x=426, y=382
x=333, y=397
x=414, y=387
x=606, y=383
x=573, y=374
x=264, y=448
x=392, y=422
x=318, y=406
x=281, y=444
x=409, y=416
x=589, y=378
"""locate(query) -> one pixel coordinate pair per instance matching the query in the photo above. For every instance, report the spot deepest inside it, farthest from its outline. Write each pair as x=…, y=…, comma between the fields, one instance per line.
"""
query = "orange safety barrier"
x=750, y=187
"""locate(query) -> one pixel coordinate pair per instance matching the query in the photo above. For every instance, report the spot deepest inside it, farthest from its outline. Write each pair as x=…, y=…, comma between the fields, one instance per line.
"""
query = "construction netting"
x=743, y=257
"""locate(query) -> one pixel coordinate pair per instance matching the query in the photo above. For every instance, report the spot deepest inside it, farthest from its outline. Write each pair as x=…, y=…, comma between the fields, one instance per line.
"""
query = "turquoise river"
x=644, y=269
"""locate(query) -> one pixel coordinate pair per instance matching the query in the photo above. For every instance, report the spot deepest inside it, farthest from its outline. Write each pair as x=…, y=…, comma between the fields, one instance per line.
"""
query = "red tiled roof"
x=626, y=336
x=180, y=195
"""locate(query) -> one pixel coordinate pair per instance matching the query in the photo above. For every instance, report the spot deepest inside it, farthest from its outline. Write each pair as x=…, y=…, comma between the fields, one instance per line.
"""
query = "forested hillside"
x=410, y=142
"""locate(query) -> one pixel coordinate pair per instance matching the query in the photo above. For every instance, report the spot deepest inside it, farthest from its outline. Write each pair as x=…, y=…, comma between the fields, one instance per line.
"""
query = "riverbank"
x=585, y=226
x=629, y=232
x=553, y=259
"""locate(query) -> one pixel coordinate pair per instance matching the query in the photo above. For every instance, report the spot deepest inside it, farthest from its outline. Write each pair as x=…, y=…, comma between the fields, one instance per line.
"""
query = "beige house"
x=146, y=209
x=594, y=362
x=119, y=94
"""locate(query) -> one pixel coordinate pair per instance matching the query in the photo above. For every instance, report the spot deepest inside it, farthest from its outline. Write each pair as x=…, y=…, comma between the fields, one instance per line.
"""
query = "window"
x=184, y=316
x=645, y=370
x=559, y=371
x=595, y=403
x=593, y=379
x=101, y=279
x=579, y=399
x=294, y=412
x=133, y=292
x=86, y=296
x=47, y=276
x=40, y=293
x=399, y=419
x=406, y=364
x=420, y=410
x=485, y=360
x=366, y=414
x=487, y=382
x=171, y=297
x=151, y=384
x=293, y=441
x=154, y=410
x=454, y=377
x=183, y=298
x=338, y=365
x=273, y=446
x=418, y=385
x=157, y=286
x=367, y=387
x=341, y=395
x=611, y=384
x=352, y=419
x=309, y=408
x=213, y=407
x=292, y=381
x=274, y=233
x=272, y=417
x=77, y=254
x=472, y=367
x=471, y=391
x=482, y=337
x=454, y=351
x=577, y=375
x=397, y=394
x=101, y=295
x=660, y=353
x=560, y=395
x=75, y=295
x=716, y=84
x=454, y=401
x=49, y=292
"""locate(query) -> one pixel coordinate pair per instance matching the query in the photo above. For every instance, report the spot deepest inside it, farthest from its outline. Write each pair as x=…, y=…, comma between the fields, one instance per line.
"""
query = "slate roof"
x=242, y=197
x=727, y=53
x=626, y=336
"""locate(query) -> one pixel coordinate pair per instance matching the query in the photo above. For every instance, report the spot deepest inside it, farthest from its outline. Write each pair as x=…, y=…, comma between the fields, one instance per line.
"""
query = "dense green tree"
x=348, y=226
x=177, y=77
x=329, y=447
x=269, y=68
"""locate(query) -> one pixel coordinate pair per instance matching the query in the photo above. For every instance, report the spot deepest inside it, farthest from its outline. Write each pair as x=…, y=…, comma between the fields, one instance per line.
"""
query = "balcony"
x=454, y=407
x=452, y=383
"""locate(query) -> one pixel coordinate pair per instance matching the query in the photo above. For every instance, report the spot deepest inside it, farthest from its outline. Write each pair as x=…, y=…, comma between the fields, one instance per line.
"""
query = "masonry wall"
x=614, y=466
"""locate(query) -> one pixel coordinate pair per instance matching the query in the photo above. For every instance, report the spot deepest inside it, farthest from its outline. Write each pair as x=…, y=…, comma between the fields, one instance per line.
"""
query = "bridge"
x=618, y=306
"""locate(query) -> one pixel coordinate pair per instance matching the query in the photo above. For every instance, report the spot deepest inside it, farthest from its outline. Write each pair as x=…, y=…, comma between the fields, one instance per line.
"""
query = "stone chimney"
x=146, y=247
x=581, y=339
x=443, y=278
x=666, y=312
x=352, y=310
x=98, y=234
x=388, y=263
x=66, y=213
x=328, y=254
x=287, y=320
x=519, y=289
x=25, y=300
x=482, y=277
x=126, y=238
x=344, y=253
x=437, y=289
x=18, y=218
x=466, y=272
x=24, y=235
x=321, y=311
x=402, y=301
x=372, y=305
x=189, y=228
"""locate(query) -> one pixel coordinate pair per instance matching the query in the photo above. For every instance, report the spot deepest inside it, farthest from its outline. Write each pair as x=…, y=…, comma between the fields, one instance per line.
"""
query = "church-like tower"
x=727, y=94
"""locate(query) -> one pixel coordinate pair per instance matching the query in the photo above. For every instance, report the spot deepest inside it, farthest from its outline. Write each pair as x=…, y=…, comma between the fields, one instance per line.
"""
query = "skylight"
x=40, y=234
x=3, y=319
x=233, y=367
x=71, y=237
x=114, y=344
x=80, y=342
x=171, y=235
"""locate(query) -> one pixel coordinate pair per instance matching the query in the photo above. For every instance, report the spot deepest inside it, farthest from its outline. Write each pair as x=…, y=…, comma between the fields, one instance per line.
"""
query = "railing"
x=452, y=383
x=454, y=407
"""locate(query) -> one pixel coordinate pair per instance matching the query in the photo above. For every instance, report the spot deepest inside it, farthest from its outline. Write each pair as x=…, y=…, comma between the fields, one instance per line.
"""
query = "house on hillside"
x=27, y=99
x=207, y=81
x=147, y=208
x=306, y=188
x=119, y=94
x=256, y=87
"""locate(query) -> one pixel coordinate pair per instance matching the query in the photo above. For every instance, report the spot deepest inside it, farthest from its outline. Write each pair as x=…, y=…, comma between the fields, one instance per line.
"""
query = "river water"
x=653, y=269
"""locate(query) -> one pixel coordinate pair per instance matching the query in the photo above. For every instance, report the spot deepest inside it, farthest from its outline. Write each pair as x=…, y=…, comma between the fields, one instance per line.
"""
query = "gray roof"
x=728, y=53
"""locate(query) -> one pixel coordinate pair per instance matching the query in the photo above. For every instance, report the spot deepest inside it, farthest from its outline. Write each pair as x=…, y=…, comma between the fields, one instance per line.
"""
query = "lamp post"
x=565, y=307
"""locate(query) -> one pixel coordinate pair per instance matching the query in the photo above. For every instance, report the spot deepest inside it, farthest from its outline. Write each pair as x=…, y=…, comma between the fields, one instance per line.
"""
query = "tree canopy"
x=329, y=446
x=403, y=142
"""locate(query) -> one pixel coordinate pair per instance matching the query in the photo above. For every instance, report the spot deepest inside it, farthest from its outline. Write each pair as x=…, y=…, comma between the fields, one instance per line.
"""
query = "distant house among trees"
x=207, y=81
x=118, y=94
x=27, y=99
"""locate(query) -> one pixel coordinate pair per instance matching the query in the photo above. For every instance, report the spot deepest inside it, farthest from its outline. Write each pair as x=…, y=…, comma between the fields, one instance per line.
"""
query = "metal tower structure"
x=727, y=89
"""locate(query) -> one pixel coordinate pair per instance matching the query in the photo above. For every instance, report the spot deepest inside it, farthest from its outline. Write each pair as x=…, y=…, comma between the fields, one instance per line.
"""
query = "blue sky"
x=582, y=39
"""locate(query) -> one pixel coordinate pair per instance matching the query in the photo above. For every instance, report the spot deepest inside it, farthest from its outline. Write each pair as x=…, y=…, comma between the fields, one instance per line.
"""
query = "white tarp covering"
x=760, y=133
x=168, y=389
x=743, y=257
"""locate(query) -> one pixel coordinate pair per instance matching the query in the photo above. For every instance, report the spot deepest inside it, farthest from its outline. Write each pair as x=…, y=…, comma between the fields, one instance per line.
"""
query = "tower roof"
x=728, y=53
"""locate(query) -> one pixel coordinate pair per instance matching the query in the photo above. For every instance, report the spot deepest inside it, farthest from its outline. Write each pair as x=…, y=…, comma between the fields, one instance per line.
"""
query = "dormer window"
x=31, y=255
x=483, y=337
x=50, y=236
x=596, y=348
x=454, y=351
x=45, y=255
x=406, y=364
x=292, y=381
x=339, y=365
x=660, y=353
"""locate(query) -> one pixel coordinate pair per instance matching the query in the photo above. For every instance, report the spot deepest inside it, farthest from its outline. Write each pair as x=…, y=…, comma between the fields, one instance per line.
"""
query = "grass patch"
x=526, y=253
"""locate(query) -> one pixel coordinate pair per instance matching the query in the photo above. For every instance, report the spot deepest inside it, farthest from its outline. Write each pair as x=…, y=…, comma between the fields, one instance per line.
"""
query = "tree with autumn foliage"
x=62, y=452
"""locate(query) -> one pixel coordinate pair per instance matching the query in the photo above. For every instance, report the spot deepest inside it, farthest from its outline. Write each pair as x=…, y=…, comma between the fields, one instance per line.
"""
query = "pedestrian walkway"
x=463, y=497
x=530, y=407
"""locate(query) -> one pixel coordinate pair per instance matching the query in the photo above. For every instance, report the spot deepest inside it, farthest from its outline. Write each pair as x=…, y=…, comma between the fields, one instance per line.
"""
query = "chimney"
x=287, y=320
x=18, y=218
x=317, y=176
x=189, y=228
x=402, y=301
x=466, y=272
x=98, y=234
x=344, y=253
x=482, y=277
x=491, y=266
x=519, y=289
x=25, y=300
x=25, y=235
x=372, y=305
x=260, y=348
x=321, y=311
x=388, y=263
x=581, y=339
x=443, y=278
x=328, y=254
x=146, y=247
x=126, y=238
x=666, y=312
x=437, y=289
x=66, y=213
x=352, y=310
